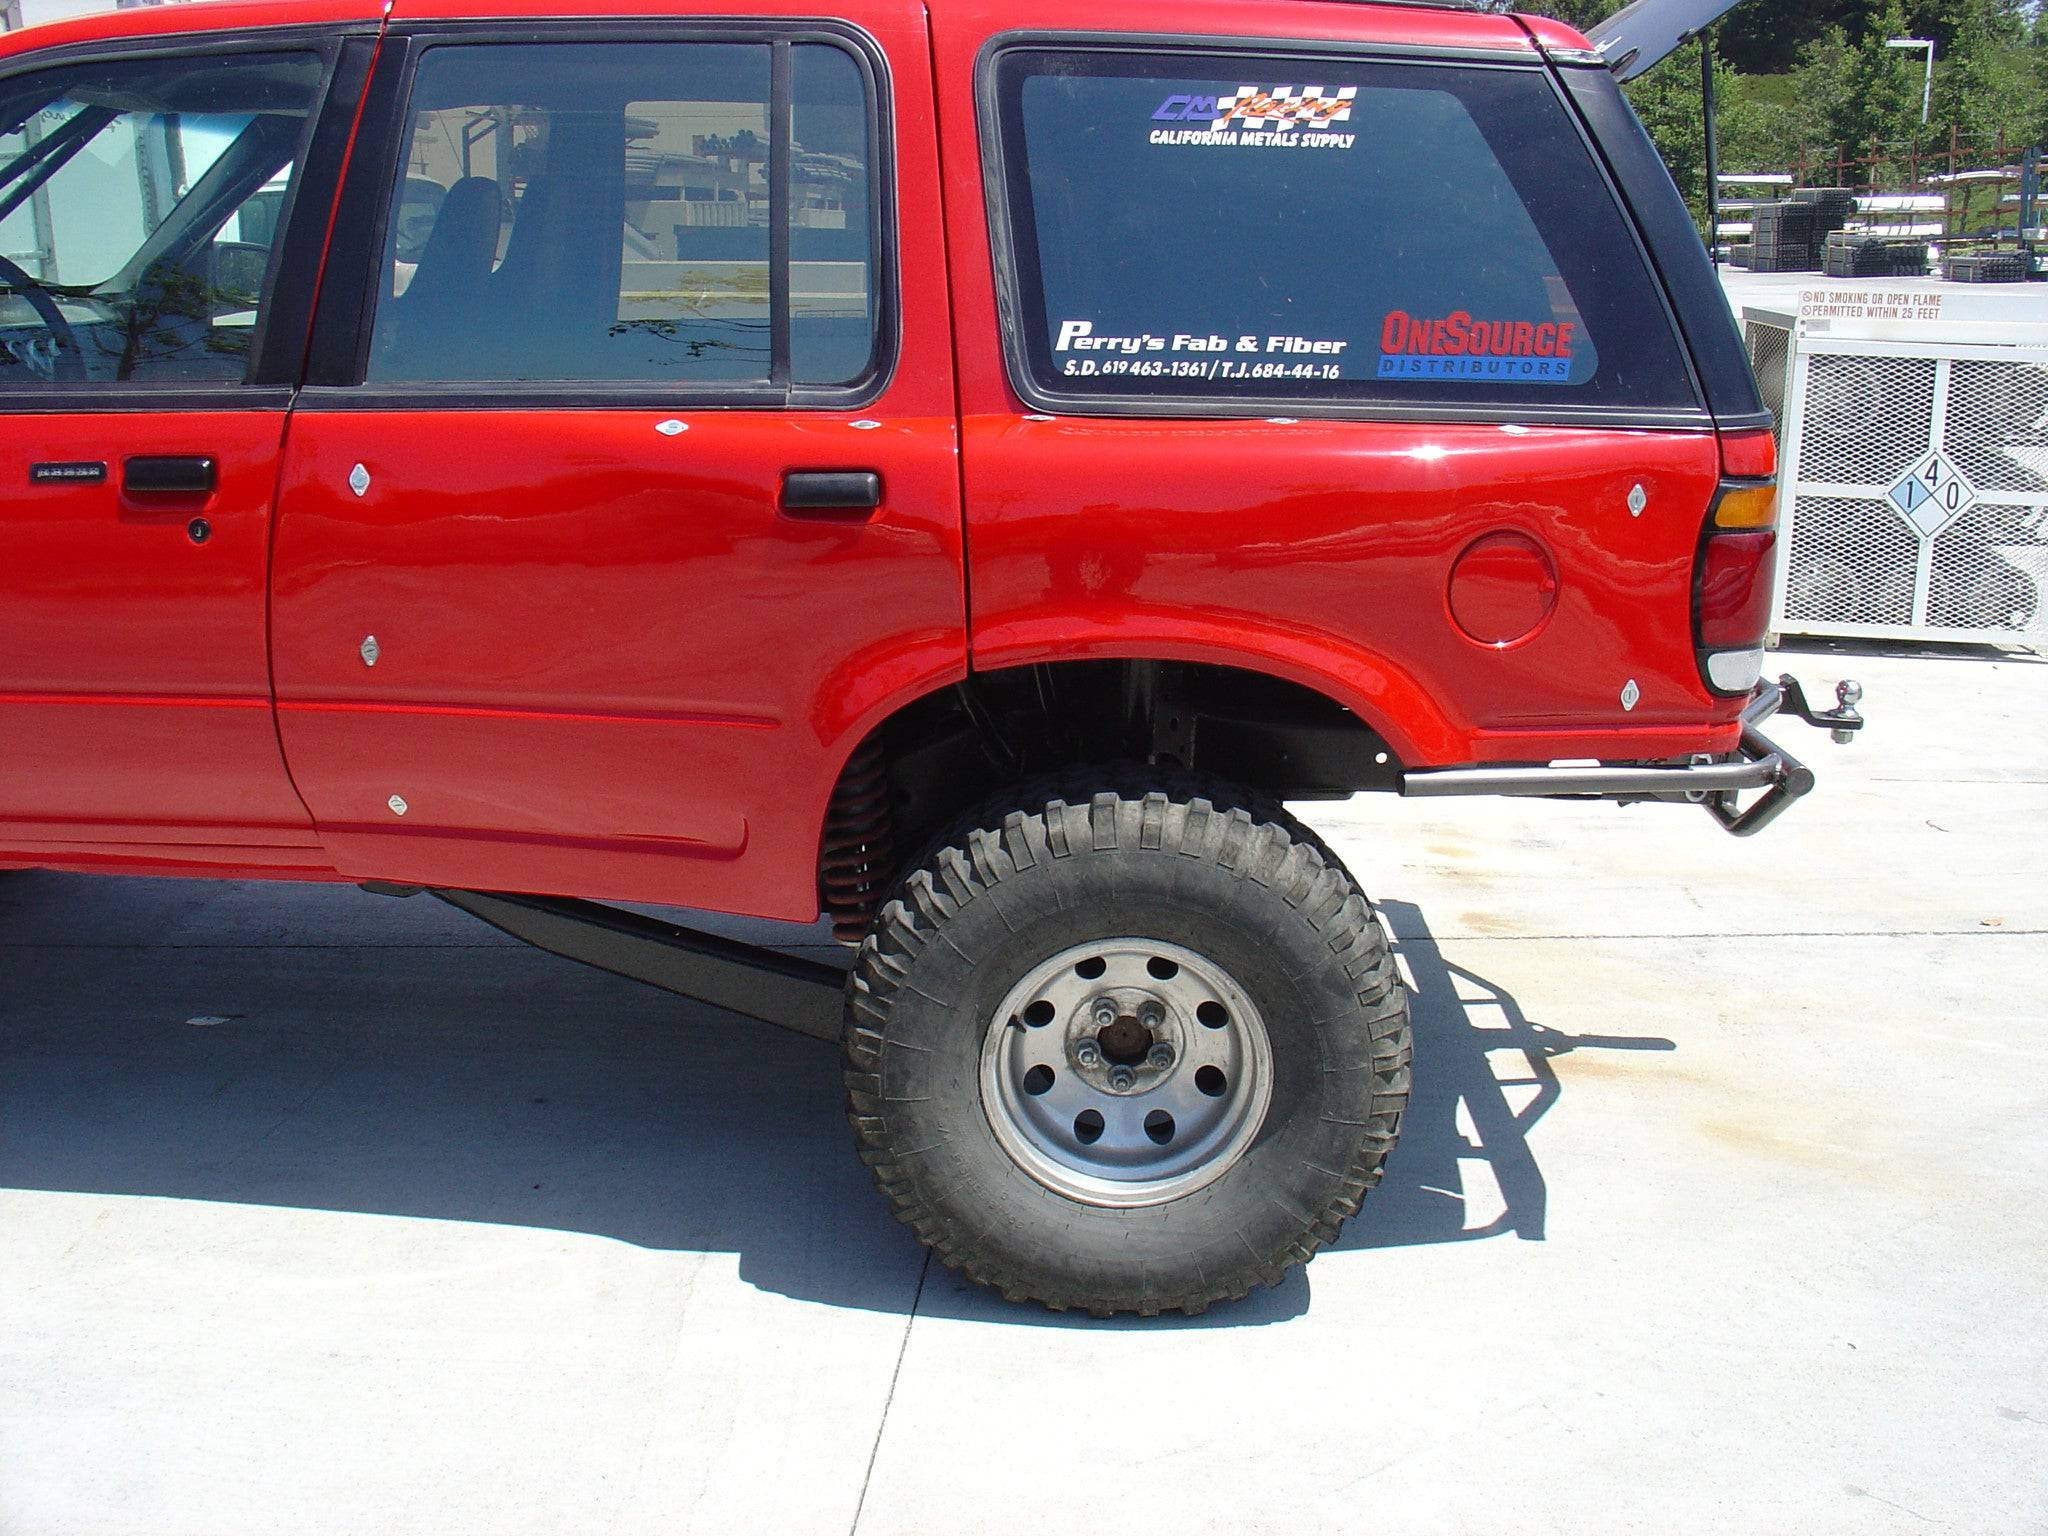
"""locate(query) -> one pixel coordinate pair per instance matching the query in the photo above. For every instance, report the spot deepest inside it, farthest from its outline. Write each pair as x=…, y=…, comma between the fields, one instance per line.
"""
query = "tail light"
x=1731, y=605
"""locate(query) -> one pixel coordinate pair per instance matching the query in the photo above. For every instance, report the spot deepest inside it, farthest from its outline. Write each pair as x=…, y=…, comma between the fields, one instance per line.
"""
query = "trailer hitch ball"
x=1848, y=694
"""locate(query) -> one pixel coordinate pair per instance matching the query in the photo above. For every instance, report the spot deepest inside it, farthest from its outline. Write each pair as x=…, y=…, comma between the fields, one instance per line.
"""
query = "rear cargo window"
x=1191, y=230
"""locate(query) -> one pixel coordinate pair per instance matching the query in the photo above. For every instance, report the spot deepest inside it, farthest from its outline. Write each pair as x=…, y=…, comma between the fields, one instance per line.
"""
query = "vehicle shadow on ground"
x=423, y=1068
x=1483, y=1079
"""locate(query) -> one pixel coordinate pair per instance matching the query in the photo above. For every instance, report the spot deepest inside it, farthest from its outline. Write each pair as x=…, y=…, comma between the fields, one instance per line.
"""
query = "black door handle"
x=180, y=474
x=831, y=490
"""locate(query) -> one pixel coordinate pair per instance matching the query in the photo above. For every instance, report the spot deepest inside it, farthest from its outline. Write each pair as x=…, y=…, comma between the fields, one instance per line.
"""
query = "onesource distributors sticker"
x=1461, y=346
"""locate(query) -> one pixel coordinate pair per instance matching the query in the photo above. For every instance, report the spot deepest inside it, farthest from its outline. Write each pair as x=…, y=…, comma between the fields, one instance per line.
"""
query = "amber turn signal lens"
x=1747, y=506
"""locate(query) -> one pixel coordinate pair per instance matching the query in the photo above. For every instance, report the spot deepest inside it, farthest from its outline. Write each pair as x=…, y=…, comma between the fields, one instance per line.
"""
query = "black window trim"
x=1691, y=285
x=1009, y=288
x=337, y=363
x=279, y=345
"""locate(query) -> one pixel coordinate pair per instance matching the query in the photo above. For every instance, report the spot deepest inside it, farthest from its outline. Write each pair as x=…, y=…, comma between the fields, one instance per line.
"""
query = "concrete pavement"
x=1719, y=1209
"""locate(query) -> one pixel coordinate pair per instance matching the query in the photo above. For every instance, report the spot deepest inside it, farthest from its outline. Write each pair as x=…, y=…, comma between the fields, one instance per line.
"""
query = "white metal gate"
x=1914, y=486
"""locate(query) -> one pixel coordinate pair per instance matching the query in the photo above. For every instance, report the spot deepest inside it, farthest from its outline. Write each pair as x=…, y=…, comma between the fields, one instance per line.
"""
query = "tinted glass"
x=140, y=206
x=832, y=232
x=601, y=212
x=1341, y=231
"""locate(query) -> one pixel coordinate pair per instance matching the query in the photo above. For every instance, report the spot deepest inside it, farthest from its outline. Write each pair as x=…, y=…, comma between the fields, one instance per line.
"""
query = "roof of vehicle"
x=209, y=16
x=1469, y=23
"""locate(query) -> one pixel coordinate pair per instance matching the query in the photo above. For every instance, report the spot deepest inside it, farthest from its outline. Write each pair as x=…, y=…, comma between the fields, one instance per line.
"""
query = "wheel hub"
x=1126, y=1072
x=1126, y=1041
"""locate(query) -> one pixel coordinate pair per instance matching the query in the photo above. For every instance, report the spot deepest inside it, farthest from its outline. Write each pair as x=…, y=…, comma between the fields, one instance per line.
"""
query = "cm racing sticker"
x=1460, y=346
x=1259, y=117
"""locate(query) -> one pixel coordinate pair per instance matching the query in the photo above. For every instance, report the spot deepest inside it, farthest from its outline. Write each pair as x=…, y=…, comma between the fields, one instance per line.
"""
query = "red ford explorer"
x=952, y=467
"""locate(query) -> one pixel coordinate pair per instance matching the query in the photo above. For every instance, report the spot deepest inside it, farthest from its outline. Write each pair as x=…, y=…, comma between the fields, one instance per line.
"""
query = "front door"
x=625, y=490
x=146, y=357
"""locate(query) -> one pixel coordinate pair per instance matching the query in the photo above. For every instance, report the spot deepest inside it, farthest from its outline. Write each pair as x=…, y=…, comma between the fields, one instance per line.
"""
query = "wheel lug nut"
x=1151, y=1015
x=1088, y=1053
x=1121, y=1079
x=1161, y=1056
x=1105, y=1013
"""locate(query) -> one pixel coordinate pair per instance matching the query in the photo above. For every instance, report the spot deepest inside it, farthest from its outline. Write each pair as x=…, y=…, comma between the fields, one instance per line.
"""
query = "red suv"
x=956, y=467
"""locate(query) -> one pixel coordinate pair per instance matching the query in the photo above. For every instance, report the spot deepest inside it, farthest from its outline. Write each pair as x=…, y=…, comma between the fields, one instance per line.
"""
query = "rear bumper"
x=1758, y=763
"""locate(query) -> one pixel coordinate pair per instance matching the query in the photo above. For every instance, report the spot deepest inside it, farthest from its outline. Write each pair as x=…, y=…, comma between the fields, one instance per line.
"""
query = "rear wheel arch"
x=917, y=768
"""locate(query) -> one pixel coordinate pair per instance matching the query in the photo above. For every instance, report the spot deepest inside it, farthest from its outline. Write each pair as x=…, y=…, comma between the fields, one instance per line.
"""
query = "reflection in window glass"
x=695, y=268
x=832, y=306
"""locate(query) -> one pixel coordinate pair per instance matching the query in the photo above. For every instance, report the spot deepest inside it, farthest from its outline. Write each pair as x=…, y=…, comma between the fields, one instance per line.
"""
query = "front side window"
x=1251, y=231
x=605, y=212
x=140, y=207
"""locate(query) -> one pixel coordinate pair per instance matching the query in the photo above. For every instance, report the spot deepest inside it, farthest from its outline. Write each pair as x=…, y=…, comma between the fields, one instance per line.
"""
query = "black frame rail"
x=798, y=994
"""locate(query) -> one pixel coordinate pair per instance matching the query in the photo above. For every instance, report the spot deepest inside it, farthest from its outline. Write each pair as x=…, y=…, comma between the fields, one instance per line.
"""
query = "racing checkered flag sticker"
x=1284, y=107
x=1289, y=117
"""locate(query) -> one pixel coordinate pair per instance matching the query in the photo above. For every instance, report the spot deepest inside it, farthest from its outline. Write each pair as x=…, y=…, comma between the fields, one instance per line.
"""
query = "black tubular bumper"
x=1757, y=763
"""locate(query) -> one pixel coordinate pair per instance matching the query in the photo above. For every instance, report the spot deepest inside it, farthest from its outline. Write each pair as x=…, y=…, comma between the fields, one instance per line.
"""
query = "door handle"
x=831, y=490
x=176, y=474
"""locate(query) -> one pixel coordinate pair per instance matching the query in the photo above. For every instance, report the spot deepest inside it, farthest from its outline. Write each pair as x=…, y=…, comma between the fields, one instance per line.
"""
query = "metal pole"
x=2030, y=191
x=1713, y=152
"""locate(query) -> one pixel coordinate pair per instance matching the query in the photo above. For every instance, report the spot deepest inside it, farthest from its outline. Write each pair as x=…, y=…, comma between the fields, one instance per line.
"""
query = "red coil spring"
x=857, y=855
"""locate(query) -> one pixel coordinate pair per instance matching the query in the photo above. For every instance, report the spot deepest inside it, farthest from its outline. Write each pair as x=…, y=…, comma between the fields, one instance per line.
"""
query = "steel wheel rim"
x=1180, y=1120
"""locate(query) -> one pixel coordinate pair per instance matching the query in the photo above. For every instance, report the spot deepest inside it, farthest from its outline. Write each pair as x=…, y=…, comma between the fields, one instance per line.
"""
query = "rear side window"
x=608, y=212
x=1204, y=231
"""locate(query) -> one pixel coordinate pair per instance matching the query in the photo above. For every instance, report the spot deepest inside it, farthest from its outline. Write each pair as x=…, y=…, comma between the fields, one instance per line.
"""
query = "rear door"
x=624, y=488
x=162, y=210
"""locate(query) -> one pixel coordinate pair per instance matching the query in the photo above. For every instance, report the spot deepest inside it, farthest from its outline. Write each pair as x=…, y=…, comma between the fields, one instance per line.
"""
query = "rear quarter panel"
x=1321, y=549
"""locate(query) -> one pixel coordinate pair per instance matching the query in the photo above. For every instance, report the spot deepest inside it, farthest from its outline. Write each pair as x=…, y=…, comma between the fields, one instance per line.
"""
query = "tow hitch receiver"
x=1716, y=783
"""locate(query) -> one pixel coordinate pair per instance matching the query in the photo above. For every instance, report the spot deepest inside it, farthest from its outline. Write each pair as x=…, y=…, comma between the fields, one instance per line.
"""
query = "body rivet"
x=370, y=650
x=1637, y=500
x=1631, y=695
x=359, y=479
x=398, y=805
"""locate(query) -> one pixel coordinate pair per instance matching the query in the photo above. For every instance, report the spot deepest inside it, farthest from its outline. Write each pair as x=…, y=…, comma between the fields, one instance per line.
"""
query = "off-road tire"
x=1201, y=865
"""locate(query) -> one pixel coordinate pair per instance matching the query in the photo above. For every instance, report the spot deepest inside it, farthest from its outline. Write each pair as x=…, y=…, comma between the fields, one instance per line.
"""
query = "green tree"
x=1989, y=81
x=1879, y=97
x=1816, y=77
